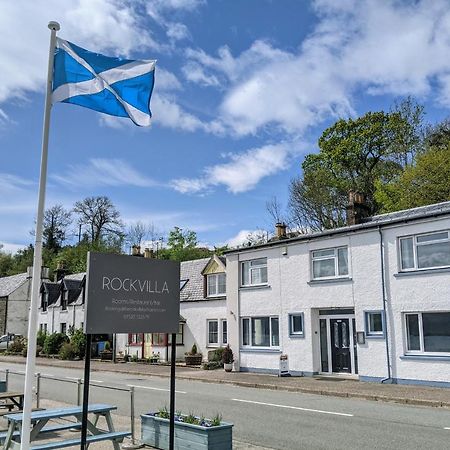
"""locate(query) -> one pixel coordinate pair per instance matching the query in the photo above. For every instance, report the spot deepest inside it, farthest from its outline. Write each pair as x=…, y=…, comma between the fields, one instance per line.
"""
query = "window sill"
x=255, y=286
x=375, y=336
x=425, y=357
x=259, y=350
x=216, y=297
x=331, y=280
x=212, y=346
x=297, y=336
x=64, y=311
x=411, y=273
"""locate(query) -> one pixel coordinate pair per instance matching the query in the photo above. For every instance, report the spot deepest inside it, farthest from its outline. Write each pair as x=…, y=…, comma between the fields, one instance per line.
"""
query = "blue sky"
x=243, y=90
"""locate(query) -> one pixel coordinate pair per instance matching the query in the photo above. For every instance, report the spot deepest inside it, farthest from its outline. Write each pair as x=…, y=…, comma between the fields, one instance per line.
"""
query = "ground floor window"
x=159, y=339
x=213, y=332
x=427, y=333
x=180, y=335
x=217, y=331
x=224, y=332
x=374, y=323
x=135, y=338
x=63, y=328
x=260, y=332
x=296, y=325
x=43, y=328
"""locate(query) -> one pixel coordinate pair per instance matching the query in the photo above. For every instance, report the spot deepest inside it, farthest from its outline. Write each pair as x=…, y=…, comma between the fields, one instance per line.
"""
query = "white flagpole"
x=37, y=259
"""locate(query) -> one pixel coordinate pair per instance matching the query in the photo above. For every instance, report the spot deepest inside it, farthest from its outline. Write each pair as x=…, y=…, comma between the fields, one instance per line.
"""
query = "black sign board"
x=129, y=294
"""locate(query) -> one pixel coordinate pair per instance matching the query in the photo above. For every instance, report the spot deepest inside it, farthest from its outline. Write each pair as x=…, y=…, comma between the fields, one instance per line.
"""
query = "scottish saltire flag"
x=116, y=86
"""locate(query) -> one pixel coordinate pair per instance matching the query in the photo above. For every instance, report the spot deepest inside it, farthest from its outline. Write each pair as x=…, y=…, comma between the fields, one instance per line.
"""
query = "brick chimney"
x=148, y=253
x=136, y=250
x=357, y=208
x=280, y=230
x=60, y=272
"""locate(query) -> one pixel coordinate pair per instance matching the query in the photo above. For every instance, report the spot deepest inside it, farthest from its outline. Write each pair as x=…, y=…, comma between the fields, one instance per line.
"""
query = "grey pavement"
x=337, y=387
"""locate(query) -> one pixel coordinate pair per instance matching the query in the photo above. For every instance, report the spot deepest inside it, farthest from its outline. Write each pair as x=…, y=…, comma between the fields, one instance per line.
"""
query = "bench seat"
x=49, y=429
x=113, y=436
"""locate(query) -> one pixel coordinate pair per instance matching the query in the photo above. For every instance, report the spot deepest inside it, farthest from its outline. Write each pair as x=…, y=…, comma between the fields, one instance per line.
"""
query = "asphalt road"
x=273, y=419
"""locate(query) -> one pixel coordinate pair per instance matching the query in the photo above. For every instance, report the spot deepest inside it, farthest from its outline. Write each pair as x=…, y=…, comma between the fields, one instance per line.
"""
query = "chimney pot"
x=357, y=208
x=280, y=230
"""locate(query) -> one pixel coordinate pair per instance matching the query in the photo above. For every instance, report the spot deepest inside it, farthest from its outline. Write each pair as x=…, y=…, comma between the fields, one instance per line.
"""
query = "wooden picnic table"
x=11, y=400
x=40, y=419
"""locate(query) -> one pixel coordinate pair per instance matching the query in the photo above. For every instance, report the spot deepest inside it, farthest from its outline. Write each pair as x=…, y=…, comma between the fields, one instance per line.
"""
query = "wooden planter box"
x=193, y=360
x=106, y=355
x=155, y=432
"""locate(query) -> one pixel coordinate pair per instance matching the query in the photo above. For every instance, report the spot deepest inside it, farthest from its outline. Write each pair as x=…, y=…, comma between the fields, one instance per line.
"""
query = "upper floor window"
x=428, y=333
x=44, y=301
x=254, y=272
x=329, y=263
x=425, y=251
x=216, y=284
x=64, y=299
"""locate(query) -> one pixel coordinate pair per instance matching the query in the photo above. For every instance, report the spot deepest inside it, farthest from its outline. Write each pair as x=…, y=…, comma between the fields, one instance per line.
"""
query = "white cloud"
x=194, y=73
x=244, y=236
x=243, y=171
x=103, y=172
x=102, y=25
x=389, y=47
x=8, y=247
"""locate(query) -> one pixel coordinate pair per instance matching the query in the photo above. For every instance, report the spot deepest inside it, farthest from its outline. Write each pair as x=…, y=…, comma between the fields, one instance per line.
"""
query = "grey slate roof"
x=381, y=220
x=192, y=271
x=73, y=287
x=53, y=290
x=9, y=284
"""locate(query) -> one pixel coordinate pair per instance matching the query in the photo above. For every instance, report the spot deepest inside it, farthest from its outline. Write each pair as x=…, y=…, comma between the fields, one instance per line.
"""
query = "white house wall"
x=18, y=309
x=290, y=290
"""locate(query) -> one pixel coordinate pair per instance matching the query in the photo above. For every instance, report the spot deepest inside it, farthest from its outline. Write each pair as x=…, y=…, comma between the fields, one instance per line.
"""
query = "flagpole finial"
x=54, y=25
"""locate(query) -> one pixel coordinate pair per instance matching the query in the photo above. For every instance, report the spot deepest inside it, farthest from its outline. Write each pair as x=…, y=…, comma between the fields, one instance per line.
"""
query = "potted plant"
x=190, y=431
x=106, y=353
x=227, y=358
x=193, y=358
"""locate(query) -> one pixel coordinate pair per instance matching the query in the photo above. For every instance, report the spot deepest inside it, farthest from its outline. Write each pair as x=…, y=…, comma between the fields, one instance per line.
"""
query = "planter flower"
x=227, y=358
x=193, y=358
x=190, y=432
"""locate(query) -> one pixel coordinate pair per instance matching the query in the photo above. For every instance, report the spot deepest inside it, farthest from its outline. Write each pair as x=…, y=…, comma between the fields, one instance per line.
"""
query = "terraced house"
x=370, y=300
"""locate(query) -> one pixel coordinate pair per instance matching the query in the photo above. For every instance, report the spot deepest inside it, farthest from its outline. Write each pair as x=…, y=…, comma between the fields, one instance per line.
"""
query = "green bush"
x=16, y=346
x=40, y=338
x=67, y=351
x=53, y=343
x=78, y=341
x=212, y=365
x=215, y=355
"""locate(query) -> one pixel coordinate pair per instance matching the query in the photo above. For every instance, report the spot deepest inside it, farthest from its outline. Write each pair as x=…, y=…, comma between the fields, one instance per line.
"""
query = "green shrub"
x=67, y=351
x=212, y=365
x=227, y=355
x=78, y=341
x=40, y=338
x=53, y=343
x=215, y=355
x=107, y=346
x=16, y=346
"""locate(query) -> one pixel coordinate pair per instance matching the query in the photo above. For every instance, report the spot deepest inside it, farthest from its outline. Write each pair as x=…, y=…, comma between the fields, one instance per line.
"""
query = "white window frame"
x=336, y=262
x=421, y=339
x=250, y=346
x=222, y=331
x=419, y=244
x=215, y=277
x=212, y=344
x=293, y=333
x=371, y=333
x=252, y=268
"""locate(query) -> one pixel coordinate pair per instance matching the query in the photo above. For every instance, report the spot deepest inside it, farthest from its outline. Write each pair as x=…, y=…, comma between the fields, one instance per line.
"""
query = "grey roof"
x=53, y=290
x=74, y=288
x=75, y=276
x=192, y=271
x=381, y=220
x=9, y=284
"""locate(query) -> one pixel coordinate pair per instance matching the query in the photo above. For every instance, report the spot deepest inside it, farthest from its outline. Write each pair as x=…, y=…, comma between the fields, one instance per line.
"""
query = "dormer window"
x=64, y=299
x=44, y=301
x=216, y=284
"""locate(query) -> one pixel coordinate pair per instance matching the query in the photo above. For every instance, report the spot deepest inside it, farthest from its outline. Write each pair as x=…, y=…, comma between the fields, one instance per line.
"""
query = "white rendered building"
x=370, y=300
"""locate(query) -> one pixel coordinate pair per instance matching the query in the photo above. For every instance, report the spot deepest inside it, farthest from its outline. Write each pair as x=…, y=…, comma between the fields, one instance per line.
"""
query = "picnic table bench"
x=10, y=401
x=40, y=419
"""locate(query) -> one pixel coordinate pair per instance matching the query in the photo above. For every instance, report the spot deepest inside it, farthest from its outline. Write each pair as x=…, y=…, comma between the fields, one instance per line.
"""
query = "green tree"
x=182, y=246
x=56, y=222
x=6, y=263
x=424, y=183
x=355, y=154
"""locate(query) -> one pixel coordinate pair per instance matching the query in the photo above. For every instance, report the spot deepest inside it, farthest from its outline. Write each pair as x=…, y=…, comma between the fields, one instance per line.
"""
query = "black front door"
x=340, y=345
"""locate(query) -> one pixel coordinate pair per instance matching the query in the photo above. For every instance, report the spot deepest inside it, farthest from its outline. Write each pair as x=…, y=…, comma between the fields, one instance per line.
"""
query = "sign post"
x=125, y=294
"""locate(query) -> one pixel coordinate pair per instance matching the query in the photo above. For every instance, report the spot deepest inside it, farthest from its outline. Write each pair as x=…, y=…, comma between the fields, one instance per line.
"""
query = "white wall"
x=290, y=290
x=18, y=309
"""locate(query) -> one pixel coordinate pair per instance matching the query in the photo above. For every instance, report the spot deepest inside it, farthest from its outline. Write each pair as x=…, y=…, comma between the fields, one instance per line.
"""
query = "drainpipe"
x=383, y=287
